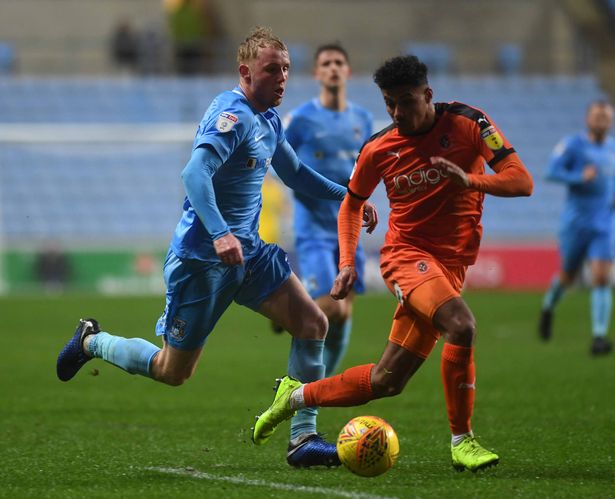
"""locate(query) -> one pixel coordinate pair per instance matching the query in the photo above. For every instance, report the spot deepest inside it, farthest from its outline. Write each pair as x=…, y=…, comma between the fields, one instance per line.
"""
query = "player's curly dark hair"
x=400, y=71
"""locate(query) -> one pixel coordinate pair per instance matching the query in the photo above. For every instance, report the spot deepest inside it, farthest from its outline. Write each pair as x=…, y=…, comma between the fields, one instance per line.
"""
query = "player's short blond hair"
x=258, y=38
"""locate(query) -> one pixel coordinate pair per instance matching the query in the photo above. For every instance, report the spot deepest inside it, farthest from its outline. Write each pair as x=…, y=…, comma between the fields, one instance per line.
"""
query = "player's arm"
x=349, y=224
x=363, y=181
x=197, y=179
x=301, y=178
x=561, y=166
x=511, y=178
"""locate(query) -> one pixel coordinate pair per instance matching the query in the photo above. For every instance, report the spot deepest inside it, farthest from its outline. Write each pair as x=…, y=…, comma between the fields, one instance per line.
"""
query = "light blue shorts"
x=579, y=244
x=318, y=265
x=199, y=292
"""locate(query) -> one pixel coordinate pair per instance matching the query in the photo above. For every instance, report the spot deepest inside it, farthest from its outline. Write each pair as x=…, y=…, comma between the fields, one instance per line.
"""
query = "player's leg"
x=134, y=355
x=338, y=312
x=317, y=260
x=600, y=256
x=439, y=298
x=275, y=292
x=189, y=317
x=601, y=306
x=339, y=316
x=573, y=247
x=291, y=307
x=410, y=342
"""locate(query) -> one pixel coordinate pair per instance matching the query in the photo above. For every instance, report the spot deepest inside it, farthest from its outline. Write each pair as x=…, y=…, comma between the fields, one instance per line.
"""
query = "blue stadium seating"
x=132, y=192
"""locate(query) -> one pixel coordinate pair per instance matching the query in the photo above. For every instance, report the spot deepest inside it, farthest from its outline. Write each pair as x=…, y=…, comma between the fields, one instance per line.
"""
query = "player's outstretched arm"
x=511, y=178
x=301, y=178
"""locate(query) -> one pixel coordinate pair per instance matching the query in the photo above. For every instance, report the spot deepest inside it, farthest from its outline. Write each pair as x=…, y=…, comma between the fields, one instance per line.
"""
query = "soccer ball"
x=367, y=446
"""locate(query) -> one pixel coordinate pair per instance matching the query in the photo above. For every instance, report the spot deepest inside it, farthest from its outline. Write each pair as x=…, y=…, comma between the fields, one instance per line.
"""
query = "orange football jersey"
x=427, y=209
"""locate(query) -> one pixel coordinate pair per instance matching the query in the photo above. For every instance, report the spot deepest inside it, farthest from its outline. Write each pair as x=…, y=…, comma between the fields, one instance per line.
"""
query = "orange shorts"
x=421, y=285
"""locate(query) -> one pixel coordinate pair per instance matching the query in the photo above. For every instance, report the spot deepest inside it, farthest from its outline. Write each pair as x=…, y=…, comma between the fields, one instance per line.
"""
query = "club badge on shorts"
x=178, y=330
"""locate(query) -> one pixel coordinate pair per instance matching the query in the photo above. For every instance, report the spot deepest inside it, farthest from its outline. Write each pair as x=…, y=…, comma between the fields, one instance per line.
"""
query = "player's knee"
x=601, y=281
x=386, y=385
x=312, y=327
x=320, y=326
x=462, y=330
x=337, y=313
x=174, y=377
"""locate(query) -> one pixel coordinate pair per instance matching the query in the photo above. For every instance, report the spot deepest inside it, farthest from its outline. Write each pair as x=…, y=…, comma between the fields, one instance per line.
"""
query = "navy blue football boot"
x=72, y=357
x=310, y=449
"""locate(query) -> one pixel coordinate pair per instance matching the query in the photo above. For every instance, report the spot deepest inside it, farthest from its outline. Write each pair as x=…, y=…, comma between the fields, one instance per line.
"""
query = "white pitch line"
x=239, y=480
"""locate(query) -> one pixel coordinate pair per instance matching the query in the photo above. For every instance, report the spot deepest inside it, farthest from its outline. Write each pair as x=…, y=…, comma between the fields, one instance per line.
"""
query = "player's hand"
x=228, y=249
x=454, y=172
x=370, y=217
x=343, y=283
x=590, y=172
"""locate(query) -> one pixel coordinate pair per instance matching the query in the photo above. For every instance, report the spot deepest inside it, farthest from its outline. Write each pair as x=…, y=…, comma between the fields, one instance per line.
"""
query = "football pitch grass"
x=548, y=410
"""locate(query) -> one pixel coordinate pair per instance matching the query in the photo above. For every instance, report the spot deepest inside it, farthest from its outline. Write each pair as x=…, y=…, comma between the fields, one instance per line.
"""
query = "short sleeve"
x=224, y=129
x=365, y=175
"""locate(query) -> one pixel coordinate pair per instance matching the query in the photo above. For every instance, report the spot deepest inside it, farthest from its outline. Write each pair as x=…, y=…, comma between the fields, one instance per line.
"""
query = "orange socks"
x=458, y=378
x=352, y=387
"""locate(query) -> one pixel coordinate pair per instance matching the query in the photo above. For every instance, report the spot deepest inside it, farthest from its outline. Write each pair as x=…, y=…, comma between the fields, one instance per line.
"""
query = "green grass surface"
x=547, y=409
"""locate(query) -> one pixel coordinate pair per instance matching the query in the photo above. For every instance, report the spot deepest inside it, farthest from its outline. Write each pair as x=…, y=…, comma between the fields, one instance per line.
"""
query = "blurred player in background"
x=327, y=133
x=216, y=256
x=585, y=162
x=431, y=160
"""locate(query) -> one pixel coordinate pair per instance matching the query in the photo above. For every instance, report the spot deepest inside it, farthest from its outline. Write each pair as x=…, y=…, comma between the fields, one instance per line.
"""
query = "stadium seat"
x=437, y=56
x=510, y=58
x=134, y=191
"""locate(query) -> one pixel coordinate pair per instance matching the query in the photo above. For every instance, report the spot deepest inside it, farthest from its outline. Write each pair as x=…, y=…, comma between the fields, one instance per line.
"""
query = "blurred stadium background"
x=99, y=100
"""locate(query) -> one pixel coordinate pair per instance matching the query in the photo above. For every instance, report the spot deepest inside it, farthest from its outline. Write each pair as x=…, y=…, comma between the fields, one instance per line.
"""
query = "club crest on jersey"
x=422, y=267
x=445, y=142
x=178, y=330
x=226, y=122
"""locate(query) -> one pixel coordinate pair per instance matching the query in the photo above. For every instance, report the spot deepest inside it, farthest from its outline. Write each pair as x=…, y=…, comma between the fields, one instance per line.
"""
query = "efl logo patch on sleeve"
x=489, y=134
x=492, y=138
x=226, y=122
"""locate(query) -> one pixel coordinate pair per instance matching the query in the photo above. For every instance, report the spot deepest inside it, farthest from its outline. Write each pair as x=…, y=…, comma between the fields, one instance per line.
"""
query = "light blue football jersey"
x=245, y=141
x=329, y=142
x=588, y=204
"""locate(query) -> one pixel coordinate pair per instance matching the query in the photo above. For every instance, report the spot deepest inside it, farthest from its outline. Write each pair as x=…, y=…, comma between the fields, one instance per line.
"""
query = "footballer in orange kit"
x=432, y=162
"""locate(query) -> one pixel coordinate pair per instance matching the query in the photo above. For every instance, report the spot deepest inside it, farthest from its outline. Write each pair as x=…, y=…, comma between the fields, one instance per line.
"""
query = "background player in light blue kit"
x=585, y=162
x=216, y=256
x=327, y=132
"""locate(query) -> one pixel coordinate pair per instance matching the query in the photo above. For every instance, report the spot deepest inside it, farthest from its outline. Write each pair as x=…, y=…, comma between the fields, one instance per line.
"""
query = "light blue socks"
x=554, y=294
x=336, y=344
x=305, y=364
x=601, y=303
x=133, y=355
